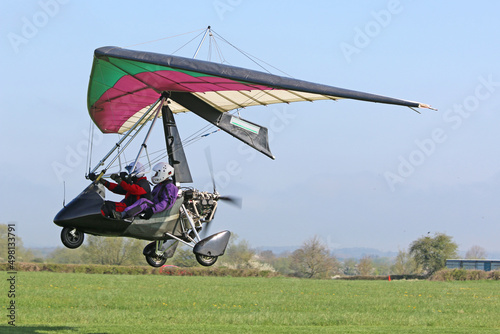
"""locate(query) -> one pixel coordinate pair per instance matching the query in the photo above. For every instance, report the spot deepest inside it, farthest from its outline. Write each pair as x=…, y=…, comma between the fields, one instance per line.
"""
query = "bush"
x=379, y=277
x=365, y=278
x=475, y=275
x=494, y=275
x=465, y=275
x=450, y=275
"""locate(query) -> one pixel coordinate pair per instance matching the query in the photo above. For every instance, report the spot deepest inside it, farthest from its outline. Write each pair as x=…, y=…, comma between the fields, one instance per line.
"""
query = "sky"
x=356, y=174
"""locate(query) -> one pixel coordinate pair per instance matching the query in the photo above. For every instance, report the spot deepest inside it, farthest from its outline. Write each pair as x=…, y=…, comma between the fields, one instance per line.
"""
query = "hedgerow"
x=465, y=275
x=138, y=270
x=442, y=275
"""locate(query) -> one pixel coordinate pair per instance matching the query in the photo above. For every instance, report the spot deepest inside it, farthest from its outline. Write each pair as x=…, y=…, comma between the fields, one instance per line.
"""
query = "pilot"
x=134, y=185
x=164, y=194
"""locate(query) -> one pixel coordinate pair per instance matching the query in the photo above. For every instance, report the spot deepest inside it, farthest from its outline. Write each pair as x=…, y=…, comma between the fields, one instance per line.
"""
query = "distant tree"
x=431, y=252
x=267, y=256
x=313, y=260
x=238, y=254
x=280, y=263
x=184, y=257
x=113, y=251
x=66, y=255
x=404, y=264
x=350, y=267
x=21, y=254
x=476, y=252
x=382, y=265
x=365, y=266
x=38, y=255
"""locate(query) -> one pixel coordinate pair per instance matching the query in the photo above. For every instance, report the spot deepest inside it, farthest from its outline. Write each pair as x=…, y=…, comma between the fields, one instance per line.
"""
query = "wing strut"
x=176, y=155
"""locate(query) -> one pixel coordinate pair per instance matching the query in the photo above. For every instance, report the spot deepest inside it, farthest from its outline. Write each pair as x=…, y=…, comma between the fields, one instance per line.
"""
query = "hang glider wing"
x=124, y=83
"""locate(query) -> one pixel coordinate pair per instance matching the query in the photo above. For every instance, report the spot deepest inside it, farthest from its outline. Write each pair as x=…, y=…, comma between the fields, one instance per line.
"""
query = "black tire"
x=205, y=260
x=151, y=258
x=72, y=238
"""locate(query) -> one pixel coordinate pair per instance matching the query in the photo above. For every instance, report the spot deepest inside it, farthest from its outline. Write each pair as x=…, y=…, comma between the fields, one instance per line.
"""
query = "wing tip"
x=426, y=106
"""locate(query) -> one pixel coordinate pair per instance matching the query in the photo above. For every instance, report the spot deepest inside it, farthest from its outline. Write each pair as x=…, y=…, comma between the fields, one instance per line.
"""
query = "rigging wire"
x=189, y=41
x=195, y=134
x=213, y=45
x=251, y=57
x=209, y=57
x=161, y=39
x=162, y=154
x=219, y=52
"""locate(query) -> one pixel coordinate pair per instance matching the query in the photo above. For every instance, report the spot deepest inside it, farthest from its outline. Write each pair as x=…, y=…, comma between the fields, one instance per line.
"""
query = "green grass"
x=81, y=303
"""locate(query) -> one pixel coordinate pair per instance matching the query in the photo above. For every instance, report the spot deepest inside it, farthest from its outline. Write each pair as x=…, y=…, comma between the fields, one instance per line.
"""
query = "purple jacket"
x=164, y=196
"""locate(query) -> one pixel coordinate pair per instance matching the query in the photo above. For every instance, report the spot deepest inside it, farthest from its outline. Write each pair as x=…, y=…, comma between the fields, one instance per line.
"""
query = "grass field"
x=82, y=303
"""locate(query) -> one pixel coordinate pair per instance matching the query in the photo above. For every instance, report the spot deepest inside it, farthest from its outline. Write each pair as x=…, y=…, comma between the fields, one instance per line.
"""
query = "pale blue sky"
x=357, y=174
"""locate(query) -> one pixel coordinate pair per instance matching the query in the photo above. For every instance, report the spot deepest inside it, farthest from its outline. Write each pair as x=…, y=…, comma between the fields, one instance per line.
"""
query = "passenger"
x=164, y=194
x=134, y=185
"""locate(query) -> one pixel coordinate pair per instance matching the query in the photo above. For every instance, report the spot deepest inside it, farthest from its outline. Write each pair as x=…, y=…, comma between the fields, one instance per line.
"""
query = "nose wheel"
x=205, y=260
x=152, y=258
x=71, y=237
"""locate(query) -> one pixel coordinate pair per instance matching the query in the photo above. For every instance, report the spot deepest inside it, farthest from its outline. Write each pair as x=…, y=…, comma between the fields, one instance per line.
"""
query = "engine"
x=200, y=204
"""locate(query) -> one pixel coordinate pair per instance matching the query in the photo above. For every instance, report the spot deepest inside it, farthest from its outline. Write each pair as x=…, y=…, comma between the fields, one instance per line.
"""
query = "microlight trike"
x=130, y=89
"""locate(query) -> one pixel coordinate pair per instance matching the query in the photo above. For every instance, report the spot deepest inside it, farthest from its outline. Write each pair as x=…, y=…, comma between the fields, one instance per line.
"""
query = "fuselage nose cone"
x=63, y=216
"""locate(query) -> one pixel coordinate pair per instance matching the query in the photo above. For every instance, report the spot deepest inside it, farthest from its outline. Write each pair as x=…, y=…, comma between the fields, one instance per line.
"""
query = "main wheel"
x=71, y=237
x=205, y=260
x=152, y=258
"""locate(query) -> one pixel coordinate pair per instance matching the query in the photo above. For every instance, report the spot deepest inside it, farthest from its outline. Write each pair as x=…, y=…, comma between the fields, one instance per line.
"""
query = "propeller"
x=232, y=200
x=208, y=156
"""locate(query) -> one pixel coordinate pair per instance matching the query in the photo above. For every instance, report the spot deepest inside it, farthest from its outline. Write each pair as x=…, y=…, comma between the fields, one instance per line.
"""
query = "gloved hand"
x=116, y=178
x=92, y=176
x=148, y=213
x=125, y=177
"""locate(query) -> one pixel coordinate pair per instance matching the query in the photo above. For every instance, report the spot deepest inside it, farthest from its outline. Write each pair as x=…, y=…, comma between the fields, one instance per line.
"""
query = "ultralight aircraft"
x=129, y=90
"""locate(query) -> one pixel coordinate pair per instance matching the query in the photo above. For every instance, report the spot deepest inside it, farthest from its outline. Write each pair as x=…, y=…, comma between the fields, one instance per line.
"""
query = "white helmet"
x=138, y=170
x=162, y=172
